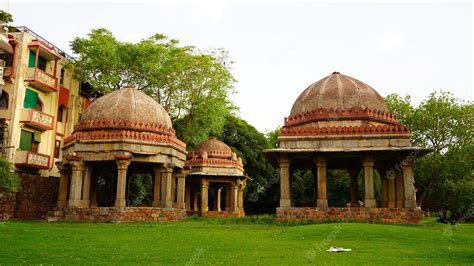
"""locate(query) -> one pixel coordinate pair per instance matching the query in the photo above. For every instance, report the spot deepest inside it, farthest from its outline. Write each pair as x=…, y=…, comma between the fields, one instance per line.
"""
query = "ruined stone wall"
x=7, y=206
x=372, y=215
x=112, y=214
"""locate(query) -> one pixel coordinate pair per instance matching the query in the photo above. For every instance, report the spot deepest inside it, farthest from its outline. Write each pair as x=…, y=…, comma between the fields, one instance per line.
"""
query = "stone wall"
x=37, y=196
x=372, y=215
x=117, y=215
x=222, y=214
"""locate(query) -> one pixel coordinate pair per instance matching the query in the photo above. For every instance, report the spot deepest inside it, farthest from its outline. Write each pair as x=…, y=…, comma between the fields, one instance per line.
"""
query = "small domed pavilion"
x=124, y=140
x=213, y=165
x=340, y=122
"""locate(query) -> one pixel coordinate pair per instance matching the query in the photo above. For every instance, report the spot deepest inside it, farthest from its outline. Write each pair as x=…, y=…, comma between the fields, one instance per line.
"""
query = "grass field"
x=254, y=241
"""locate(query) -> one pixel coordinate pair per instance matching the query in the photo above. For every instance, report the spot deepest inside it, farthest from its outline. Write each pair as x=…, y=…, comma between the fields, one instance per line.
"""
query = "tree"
x=193, y=86
x=5, y=17
x=444, y=177
x=9, y=181
x=261, y=195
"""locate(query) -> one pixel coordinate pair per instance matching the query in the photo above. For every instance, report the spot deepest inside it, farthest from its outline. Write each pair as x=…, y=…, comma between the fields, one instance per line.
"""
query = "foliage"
x=9, y=181
x=193, y=86
x=262, y=187
x=249, y=241
x=5, y=17
x=445, y=124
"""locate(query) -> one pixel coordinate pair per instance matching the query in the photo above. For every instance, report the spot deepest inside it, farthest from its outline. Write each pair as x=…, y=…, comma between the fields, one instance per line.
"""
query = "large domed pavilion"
x=340, y=122
x=212, y=164
x=123, y=140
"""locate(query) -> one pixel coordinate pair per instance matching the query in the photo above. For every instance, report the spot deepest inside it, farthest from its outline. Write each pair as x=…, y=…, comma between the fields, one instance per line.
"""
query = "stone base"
x=371, y=215
x=117, y=215
x=223, y=214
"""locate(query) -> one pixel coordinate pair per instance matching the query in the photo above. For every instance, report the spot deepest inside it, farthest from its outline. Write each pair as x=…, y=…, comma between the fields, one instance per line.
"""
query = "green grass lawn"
x=255, y=241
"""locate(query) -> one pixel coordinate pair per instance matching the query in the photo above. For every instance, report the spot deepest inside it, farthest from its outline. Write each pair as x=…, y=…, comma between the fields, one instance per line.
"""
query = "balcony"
x=31, y=159
x=41, y=80
x=36, y=119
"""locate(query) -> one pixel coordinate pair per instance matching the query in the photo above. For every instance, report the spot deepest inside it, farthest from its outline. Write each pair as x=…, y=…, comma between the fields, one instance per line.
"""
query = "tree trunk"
x=423, y=195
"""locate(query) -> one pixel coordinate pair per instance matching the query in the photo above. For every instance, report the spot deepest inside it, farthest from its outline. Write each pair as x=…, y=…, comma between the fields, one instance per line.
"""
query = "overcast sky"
x=281, y=48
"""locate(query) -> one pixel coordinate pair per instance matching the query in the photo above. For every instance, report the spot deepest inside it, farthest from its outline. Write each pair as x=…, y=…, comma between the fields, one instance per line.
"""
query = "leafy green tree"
x=193, y=86
x=445, y=124
x=5, y=17
x=9, y=181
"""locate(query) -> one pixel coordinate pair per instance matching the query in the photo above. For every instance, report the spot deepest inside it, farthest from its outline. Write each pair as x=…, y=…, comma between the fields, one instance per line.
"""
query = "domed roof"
x=339, y=92
x=214, y=148
x=128, y=104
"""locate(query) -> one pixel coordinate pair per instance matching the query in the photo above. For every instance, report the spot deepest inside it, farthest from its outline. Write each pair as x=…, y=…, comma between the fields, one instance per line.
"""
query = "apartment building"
x=40, y=103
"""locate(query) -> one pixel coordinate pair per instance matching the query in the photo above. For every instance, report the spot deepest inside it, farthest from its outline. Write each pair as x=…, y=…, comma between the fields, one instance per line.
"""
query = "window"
x=3, y=100
x=31, y=99
x=8, y=58
x=41, y=61
x=57, y=149
x=61, y=77
x=61, y=113
x=29, y=141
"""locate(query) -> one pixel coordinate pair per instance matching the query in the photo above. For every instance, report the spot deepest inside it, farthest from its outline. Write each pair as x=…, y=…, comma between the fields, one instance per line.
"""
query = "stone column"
x=354, y=174
x=195, y=203
x=63, y=184
x=285, y=185
x=75, y=190
x=240, y=198
x=180, y=190
x=157, y=187
x=204, y=195
x=166, y=179
x=188, y=199
x=173, y=189
x=86, y=187
x=399, y=189
x=219, y=199
x=234, y=199
x=384, y=191
x=409, y=182
x=391, y=192
x=122, y=166
x=369, y=200
x=322, y=200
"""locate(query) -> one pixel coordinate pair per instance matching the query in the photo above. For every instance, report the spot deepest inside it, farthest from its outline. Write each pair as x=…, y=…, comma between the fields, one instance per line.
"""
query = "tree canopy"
x=444, y=177
x=193, y=86
x=9, y=181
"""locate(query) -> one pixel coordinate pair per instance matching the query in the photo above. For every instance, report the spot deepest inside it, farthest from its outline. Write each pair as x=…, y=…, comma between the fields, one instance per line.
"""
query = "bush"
x=9, y=180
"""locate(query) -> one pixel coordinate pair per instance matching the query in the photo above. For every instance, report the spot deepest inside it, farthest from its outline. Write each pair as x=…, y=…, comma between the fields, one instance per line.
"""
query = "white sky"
x=281, y=48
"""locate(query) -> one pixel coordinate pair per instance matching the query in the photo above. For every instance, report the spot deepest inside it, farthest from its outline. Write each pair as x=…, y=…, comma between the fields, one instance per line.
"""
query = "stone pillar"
x=86, y=187
x=354, y=174
x=391, y=192
x=369, y=200
x=75, y=190
x=285, y=185
x=399, y=189
x=63, y=184
x=409, y=191
x=322, y=200
x=166, y=179
x=180, y=190
x=195, y=203
x=384, y=191
x=204, y=195
x=173, y=189
x=234, y=199
x=157, y=187
x=122, y=166
x=219, y=199
x=240, y=199
x=188, y=199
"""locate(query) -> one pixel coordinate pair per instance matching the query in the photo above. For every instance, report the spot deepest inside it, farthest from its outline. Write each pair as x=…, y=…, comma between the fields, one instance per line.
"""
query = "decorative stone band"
x=101, y=124
x=125, y=134
x=338, y=114
x=215, y=162
x=211, y=154
x=349, y=130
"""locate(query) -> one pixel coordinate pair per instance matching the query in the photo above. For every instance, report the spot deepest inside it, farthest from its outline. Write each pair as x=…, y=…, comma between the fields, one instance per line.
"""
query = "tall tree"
x=444, y=178
x=193, y=86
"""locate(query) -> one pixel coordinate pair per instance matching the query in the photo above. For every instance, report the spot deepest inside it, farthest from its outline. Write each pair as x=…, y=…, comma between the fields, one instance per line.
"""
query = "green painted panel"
x=25, y=140
x=31, y=60
x=31, y=98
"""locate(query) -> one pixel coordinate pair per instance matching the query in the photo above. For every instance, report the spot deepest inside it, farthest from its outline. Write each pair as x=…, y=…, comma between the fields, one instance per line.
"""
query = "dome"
x=126, y=108
x=214, y=148
x=338, y=92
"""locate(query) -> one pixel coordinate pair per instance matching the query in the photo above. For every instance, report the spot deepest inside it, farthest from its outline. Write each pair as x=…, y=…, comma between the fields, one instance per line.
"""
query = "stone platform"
x=117, y=215
x=222, y=214
x=372, y=215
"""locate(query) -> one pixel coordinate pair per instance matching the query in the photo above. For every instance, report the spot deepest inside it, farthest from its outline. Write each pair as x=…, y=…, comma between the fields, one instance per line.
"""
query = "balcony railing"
x=41, y=80
x=31, y=159
x=36, y=119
